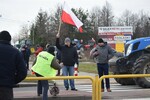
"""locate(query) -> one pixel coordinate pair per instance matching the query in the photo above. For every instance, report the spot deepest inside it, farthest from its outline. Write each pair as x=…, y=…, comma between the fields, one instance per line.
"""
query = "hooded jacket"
x=104, y=53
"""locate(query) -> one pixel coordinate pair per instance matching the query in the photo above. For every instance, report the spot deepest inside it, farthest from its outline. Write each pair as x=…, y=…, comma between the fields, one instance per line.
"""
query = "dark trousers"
x=42, y=88
x=103, y=69
x=6, y=93
x=27, y=63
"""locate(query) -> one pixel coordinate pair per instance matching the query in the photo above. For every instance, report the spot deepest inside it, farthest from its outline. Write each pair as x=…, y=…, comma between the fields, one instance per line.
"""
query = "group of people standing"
x=69, y=58
x=14, y=64
x=46, y=65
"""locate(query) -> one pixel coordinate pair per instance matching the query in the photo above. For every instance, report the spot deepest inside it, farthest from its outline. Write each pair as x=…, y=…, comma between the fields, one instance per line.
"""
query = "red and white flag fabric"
x=70, y=18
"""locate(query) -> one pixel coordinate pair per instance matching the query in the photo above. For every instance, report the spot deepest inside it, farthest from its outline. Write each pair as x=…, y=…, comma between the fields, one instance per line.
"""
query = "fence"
x=68, y=77
x=98, y=88
x=96, y=82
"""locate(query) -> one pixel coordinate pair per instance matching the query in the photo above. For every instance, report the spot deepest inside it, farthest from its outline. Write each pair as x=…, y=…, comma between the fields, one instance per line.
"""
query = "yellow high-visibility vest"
x=42, y=65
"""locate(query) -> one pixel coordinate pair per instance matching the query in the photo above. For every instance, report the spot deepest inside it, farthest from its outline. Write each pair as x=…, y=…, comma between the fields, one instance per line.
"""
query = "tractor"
x=136, y=60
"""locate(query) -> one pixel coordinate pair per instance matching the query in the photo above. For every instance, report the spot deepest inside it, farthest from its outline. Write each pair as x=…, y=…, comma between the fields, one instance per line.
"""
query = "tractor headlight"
x=129, y=50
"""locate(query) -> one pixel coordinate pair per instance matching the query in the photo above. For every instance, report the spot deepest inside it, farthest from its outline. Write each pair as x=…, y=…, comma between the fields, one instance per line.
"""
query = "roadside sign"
x=122, y=38
x=116, y=36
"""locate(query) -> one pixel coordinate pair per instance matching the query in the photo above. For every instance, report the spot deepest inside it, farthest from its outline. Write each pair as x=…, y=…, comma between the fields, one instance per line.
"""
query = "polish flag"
x=70, y=18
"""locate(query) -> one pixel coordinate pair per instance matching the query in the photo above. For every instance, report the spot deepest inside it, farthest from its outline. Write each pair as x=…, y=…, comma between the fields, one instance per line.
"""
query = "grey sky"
x=16, y=13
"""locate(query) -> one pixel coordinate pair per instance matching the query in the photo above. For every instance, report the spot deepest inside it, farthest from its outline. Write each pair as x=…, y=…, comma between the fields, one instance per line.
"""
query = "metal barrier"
x=68, y=77
x=98, y=85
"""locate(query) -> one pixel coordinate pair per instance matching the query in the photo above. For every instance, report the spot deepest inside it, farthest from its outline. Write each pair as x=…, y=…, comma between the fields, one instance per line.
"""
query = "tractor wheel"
x=121, y=68
x=124, y=81
x=142, y=66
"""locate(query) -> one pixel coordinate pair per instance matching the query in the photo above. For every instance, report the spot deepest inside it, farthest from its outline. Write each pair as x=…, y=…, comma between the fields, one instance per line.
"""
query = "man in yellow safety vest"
x=45, y=65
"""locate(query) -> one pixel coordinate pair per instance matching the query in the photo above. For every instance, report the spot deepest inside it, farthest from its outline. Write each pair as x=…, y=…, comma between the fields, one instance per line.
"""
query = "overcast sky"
x=15, y=13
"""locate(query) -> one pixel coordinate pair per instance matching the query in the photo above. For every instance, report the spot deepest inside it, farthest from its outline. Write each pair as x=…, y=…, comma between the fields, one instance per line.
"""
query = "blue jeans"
x=42, y=86
x=68, y=70
x=103, y=69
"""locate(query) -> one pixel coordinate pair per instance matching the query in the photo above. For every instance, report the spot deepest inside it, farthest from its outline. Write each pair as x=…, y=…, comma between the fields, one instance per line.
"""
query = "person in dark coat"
x=26, y=54
x=58, y=56
x=12, y=66
x=69, y=57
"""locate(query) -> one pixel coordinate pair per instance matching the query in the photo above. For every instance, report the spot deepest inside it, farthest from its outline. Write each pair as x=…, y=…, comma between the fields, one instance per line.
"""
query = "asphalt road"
x=119, y=92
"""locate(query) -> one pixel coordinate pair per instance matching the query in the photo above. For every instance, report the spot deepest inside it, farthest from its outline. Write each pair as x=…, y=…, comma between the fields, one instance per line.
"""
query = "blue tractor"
x=136, y=60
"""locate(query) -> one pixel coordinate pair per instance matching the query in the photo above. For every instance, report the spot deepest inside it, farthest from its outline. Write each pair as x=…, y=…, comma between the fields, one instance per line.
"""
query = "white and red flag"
x=70, y=18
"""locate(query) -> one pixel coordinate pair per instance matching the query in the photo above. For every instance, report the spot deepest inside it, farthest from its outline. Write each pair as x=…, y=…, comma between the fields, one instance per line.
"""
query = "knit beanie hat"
x=100, y=40
x=4, y=35
x=51, y=50
x=67, y=40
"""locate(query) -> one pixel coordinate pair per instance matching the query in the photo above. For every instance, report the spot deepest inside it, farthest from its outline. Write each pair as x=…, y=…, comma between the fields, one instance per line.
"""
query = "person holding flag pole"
x=69, y=56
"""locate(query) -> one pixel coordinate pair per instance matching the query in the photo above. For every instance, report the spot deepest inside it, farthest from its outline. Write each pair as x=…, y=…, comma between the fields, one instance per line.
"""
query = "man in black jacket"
x=69, y=57
x=12, y=67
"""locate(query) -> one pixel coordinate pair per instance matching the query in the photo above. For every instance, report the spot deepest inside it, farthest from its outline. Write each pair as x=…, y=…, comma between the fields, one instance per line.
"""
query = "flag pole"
x=60, y=22
x=59, y=27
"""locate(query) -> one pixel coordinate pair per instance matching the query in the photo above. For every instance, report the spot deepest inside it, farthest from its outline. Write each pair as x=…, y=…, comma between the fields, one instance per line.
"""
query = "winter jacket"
x=58, y=55
x=12, y=65
x=103, y=53
x=38, y=51
x=25, y=51
x=69, y=55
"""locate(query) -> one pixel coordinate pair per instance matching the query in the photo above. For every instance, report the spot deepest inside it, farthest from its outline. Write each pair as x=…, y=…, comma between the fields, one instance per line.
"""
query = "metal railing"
x=98, y=83
x=68, y=77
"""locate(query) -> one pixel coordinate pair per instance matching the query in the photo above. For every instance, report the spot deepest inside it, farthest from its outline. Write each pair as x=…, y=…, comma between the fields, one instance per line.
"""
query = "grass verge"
x=89, y=67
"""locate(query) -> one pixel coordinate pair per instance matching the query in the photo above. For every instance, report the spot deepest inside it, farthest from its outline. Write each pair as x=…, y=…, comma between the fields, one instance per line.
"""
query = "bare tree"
x=15, y=39
x=139, y=22
x=107, y=15
x=144, y=23
x=95, y=18
x=24, y=32
x=54, y=24
x=46, y=24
